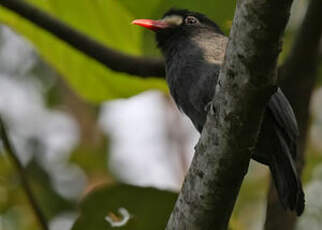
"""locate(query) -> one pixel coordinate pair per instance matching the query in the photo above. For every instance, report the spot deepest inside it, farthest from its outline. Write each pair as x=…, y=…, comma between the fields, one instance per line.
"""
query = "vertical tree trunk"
x=246, y=83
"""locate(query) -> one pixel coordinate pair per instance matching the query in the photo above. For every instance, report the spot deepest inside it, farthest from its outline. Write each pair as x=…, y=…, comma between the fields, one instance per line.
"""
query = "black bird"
x=194, y=49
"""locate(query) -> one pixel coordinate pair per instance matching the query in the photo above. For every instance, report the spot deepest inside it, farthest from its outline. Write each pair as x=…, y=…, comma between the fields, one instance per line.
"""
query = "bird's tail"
x=285, y=177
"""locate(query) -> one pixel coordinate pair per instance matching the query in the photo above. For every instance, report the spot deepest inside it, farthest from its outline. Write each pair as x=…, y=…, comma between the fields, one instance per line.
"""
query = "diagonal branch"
x=245, y=84
x=115, y=60
x=22, y=174
x=298, y=75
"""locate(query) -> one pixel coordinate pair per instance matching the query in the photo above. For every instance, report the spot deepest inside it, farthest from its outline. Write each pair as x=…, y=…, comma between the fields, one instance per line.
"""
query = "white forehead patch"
x=174, y=20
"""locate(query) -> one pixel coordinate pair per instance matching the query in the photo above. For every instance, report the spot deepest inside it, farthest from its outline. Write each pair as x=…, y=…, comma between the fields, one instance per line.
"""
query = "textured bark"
x=115, y=60
x=298, y=76
x=246, y=82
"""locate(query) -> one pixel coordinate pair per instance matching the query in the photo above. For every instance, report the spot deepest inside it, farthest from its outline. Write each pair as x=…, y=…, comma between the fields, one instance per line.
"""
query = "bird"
x=194, y=48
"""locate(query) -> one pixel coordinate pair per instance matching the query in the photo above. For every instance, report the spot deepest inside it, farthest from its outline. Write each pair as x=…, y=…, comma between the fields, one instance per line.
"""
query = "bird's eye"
x=191, y=20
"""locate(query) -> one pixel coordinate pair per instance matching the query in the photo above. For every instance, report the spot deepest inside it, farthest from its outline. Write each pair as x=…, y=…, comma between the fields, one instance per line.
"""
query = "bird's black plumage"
x=194, y=48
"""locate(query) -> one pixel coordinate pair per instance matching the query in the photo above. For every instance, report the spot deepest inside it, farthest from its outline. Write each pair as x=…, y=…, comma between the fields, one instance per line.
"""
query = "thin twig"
x=22, y=174
x=115, y=60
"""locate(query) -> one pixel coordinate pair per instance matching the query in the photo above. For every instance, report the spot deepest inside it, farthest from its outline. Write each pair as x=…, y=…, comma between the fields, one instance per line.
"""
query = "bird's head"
x=178, y=24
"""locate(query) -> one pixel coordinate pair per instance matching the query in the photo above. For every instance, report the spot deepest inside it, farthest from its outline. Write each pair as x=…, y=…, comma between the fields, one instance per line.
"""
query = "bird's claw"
x=209, y=108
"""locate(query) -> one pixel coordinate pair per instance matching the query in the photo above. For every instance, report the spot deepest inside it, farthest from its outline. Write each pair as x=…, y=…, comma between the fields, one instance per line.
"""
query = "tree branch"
x=117, y=61
x=298, y=75
x=22, y=174
x=245, y=85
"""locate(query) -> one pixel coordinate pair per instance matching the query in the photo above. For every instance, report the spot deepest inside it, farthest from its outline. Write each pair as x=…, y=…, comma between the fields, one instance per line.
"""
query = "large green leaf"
x=148, y=208
x=108, y=21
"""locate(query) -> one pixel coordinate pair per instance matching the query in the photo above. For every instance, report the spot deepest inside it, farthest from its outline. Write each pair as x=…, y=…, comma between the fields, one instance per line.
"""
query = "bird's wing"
x=284, y=118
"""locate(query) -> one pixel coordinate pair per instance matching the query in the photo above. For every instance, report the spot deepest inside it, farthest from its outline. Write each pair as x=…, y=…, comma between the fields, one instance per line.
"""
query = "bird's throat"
x=213, y=46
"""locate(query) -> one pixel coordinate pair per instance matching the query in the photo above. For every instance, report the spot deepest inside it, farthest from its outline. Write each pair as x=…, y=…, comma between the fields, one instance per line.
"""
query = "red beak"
x=154, y=25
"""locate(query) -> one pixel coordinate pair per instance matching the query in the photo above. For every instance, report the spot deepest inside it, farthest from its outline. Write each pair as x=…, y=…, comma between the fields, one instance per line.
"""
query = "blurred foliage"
x=108, y=22
x=89, y=159
x=313, y=159
x=320, y=71
x=148, y=208
x=15, y=210
x=46, y=195
x=89, y=78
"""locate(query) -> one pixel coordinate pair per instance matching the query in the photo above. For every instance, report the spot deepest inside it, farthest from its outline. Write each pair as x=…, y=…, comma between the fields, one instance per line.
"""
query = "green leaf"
x=148, y=208
x=107, y=21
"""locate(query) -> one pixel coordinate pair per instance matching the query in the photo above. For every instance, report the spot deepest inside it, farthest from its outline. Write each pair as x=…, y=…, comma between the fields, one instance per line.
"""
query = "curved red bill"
x=151, y=24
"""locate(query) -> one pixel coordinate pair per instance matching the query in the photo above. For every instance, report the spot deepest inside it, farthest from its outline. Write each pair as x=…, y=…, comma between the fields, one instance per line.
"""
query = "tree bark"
x=298, y=76
x=246, y=83
x=115, y=60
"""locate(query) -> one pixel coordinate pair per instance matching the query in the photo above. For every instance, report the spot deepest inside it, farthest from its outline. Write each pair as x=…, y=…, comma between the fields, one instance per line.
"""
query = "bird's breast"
x=191, y=81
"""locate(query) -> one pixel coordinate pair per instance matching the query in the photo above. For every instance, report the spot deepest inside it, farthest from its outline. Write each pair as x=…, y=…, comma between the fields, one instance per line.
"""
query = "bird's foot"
x=210, y=108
